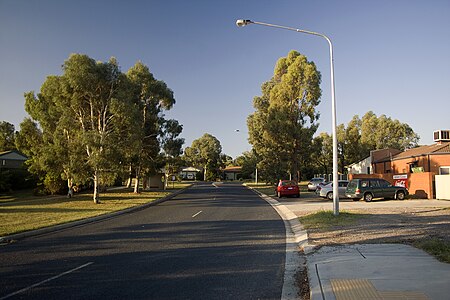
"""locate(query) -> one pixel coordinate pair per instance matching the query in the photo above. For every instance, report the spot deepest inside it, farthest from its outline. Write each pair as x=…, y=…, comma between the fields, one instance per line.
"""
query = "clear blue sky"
x=391, y=57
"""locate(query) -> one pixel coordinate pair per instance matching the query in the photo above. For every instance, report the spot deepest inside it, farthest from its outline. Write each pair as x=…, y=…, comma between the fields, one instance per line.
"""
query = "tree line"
x=94, y=123
x=282, y=128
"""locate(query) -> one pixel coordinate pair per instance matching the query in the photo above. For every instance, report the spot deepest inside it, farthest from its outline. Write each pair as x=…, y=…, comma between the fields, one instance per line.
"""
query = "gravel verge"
x=388, y=225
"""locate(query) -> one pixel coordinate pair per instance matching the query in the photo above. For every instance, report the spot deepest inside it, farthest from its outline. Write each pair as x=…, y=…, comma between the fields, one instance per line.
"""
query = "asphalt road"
x=209, y=242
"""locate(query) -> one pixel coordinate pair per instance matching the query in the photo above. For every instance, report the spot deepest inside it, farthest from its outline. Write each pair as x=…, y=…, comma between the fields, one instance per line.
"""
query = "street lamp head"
x=241, y=23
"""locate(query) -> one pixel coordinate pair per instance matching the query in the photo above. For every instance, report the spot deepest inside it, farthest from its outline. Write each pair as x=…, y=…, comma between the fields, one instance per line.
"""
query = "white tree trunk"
x=130, y=179
x=96, y=201
x=69, y=185
x=136, y=185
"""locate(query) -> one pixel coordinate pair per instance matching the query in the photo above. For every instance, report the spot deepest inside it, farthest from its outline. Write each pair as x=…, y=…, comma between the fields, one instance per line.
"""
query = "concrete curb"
x=296, y=241
x=46, y=230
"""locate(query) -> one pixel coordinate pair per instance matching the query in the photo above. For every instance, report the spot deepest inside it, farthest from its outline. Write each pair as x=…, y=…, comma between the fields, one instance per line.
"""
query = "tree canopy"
x=93, y=119
x=282, y=127
x=205, y=152
x=362, y=135
x=152, y=97
x=7, y=136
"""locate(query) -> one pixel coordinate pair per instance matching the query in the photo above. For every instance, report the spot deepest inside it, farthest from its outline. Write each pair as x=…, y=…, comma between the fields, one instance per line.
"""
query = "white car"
x=312, y=184
x=327, y=190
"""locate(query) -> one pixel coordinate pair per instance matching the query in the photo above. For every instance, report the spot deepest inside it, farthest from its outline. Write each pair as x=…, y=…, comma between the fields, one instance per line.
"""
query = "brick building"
x=419, y=165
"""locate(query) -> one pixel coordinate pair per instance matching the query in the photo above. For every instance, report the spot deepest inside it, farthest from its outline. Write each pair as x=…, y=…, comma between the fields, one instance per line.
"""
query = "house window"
x=444, y=170
x=412, y=166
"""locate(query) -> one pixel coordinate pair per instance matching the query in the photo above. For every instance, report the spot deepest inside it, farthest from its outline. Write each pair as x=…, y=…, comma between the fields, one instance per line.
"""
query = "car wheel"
x=279, y=195
x=330, y=196
x=400, y=195
x=368, y=197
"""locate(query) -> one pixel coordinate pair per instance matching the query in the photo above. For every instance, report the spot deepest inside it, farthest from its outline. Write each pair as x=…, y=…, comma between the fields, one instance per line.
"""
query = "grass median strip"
x=23, y=215
x=325, y=219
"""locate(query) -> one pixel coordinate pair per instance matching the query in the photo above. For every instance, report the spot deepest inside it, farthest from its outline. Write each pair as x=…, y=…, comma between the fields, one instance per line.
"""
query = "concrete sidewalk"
x=376, y=271
x=371, y=271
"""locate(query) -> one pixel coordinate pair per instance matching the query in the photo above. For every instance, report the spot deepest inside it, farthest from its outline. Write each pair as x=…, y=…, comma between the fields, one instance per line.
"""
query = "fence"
x=329, y=177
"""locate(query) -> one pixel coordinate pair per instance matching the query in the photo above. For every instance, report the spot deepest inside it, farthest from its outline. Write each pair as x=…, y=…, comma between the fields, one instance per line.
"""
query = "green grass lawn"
x=325, y=219
x=264, y=188
x=440, y=249
x=24, y=212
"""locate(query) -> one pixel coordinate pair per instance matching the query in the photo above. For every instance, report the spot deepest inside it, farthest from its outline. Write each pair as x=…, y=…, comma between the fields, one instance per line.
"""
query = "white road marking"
x=192, y=216
x=45, y=281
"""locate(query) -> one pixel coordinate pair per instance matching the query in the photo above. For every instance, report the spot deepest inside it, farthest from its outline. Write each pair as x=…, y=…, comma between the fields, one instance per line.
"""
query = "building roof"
x=383, y=154
x=355, y=163
x=13, y=155
x=190, y=169
x=232, y=169
x=424, y=150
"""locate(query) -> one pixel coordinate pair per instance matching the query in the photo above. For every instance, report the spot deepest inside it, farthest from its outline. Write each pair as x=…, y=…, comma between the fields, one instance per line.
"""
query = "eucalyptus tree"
x=205, y=152
x=171, y=146
x=384, y=132
x=85, y=116
x=247, y=161
x=322, y=153
x=361, y=136
x=282, y=127
x=7, y=131
x=152, y=97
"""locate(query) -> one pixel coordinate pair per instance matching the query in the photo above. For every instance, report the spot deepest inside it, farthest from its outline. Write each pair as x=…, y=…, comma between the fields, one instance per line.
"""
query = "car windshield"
x=288, y=182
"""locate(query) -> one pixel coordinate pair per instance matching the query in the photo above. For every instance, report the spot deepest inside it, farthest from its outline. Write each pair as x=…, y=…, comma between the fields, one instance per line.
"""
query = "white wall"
x=442, y=187
x=361, y=167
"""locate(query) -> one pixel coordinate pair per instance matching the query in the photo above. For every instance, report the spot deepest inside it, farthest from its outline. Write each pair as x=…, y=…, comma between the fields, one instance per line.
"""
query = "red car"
x=288, y=188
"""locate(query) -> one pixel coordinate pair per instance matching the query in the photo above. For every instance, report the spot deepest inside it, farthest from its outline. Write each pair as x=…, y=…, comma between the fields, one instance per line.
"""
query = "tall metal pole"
x=241, y=23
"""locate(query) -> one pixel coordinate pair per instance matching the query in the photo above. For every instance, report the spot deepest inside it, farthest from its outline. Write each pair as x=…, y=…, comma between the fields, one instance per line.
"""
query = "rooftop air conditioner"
x=442, y=136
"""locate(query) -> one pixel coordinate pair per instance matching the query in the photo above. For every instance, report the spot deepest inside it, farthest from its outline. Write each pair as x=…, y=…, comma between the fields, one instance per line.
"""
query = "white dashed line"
x=45, y=281
x=192, y=216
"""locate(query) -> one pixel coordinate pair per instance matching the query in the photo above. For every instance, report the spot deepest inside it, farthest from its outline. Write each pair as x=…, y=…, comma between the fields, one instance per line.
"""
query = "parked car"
x=320, y=185
x=327, y=190
x=371, y=188
x=312, y=184
x=288, y=188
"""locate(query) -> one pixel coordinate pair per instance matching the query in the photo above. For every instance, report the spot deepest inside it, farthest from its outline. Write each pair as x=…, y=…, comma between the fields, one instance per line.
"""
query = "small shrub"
x=55, y=185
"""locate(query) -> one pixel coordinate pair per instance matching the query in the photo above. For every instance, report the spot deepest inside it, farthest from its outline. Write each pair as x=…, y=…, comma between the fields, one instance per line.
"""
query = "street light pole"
x=241, y=23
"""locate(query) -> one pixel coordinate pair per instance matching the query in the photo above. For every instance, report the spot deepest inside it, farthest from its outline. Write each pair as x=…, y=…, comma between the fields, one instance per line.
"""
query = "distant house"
x=363, y=166
x=12, y=159
x=418, y=168
x=381, y=159
x=432, y=158
x=189, y=173
x=231, y=173
x=378, y=158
